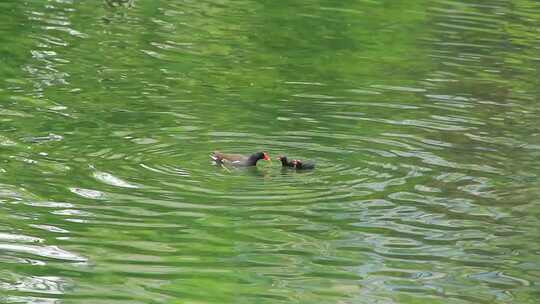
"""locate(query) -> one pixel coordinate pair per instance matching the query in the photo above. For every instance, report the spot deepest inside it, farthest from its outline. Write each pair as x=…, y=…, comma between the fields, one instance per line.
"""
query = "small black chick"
x=302, y=165
x=296, y=163
x=285, y=162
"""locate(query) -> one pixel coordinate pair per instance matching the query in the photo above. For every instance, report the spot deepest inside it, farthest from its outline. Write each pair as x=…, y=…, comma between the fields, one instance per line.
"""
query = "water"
x=422, y=118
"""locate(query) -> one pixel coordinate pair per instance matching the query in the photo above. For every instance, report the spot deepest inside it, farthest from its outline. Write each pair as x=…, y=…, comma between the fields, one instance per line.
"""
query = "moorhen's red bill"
x=239, y=160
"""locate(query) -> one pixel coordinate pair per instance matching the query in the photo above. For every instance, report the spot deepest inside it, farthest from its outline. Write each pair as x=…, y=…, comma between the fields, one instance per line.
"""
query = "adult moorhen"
x=296, y=163
x=239, y=160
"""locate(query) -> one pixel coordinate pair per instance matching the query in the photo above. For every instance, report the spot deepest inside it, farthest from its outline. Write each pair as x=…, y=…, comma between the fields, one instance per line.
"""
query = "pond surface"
x=422, y=117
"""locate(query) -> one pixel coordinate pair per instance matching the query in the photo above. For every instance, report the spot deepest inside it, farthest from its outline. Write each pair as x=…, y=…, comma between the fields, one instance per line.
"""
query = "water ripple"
x=52, y=252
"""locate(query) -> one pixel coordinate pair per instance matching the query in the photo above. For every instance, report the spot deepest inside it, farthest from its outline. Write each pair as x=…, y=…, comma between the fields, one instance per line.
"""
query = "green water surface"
x=422, y=116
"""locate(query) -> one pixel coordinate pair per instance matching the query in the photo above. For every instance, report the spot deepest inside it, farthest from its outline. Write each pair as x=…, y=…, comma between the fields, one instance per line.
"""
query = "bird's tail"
x=218, y=160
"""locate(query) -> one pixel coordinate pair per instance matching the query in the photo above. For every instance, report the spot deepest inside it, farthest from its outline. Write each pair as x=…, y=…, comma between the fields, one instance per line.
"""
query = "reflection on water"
x=421, y=119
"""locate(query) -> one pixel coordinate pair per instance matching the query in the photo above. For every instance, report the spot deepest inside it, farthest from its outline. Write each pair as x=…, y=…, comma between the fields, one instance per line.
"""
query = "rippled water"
x=422, y=118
